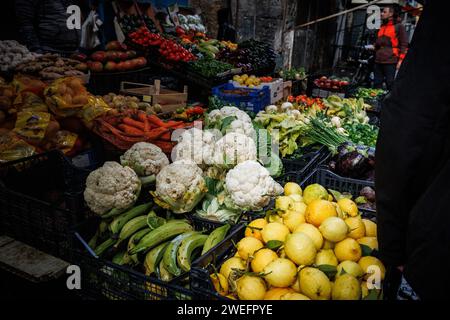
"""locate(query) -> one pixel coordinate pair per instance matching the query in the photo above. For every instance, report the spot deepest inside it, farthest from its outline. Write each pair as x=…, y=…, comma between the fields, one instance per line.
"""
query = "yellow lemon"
x=371, y=228
x=247, y=247
x=274, y=217
x=314, y=284
x=300, y=249
x=296, y=286
x=339, y=212
x=294, y=296
x=334, y=229
x=254, y=228
x=319, y=210
x=292, y=219
x=312, y=232
x=346, y=287
x=348, y=249
x=364, y=289
x=280, y=273
x=314, y=192
x=276, y=293
x=326, y=257
x=250, y=288
x=262, y=258
x=230, y=264
x=372, y=265
x=220, y=283
x=350, y=267
x=348, y=207
x=283, y=203
x=296, y=197
x=299, y=207
x=275, y=231
x=292, y=188
x=371, y=242
x=356, y=227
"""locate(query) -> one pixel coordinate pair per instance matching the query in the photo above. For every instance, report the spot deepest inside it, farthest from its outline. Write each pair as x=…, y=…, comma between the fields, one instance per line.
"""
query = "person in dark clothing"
x=413, y=164
x=390, y=48
x=226, y=29
x=43, y=25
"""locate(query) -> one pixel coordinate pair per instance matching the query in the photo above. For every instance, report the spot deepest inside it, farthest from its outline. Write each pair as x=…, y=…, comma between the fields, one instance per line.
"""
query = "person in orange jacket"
x=390, y=47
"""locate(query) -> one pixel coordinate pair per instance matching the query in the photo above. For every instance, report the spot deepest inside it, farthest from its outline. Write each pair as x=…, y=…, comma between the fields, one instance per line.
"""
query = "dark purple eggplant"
x=353, y=165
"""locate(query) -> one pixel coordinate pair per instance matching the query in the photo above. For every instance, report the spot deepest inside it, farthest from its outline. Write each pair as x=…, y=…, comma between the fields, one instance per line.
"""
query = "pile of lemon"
x=247, y=81
x=309, y=248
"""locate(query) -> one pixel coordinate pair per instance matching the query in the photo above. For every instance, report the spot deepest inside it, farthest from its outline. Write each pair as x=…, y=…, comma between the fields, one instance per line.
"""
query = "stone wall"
x=209, y=10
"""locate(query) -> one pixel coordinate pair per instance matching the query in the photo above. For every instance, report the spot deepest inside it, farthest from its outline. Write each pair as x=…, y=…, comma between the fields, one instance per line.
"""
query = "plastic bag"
x=66, y=96
x=95, y=108
x=23, y=83
x=89, y=31
x=29, y=101
x=65, y=141
x=13, y=148
x=32, y=125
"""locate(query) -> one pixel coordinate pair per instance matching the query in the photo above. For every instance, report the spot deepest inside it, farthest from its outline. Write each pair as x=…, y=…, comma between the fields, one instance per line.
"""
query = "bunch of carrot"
x=135, y=127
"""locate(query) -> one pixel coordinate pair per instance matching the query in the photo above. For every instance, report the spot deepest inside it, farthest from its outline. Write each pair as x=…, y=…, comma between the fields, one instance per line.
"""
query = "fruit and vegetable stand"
x=254, y=194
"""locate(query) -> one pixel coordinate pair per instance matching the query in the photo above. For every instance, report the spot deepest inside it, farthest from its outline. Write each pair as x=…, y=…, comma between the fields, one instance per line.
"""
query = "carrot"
x=119, y=134
x=143, y=117
x=131, y=122
x=155, y=134
x=130, y=130
x=157, y=121
x=167, y=136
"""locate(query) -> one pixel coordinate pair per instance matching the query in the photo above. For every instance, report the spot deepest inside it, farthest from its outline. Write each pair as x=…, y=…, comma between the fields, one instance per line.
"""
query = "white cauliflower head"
x=180, y=186
x=250, y=186
x=241, y=124
x=233, y=149
x=111, y=187
x=229, y=112
x=145, y=159
x=196, y=145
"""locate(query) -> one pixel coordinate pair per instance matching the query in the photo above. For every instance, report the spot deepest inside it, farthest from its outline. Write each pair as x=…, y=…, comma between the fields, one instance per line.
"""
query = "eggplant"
x=353, y=165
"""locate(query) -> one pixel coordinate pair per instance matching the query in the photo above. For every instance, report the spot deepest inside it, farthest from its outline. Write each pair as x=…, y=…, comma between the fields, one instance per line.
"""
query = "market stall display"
x=320, y=229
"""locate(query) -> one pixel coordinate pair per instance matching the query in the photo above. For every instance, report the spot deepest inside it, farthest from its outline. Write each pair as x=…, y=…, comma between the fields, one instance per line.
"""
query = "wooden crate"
x=169, y=100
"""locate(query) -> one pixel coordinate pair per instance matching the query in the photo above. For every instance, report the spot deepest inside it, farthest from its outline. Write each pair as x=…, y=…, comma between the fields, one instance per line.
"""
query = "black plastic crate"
x=105, y=280
x=330, y=180
x=41, y=198
x=202, y=268
x=306, y=164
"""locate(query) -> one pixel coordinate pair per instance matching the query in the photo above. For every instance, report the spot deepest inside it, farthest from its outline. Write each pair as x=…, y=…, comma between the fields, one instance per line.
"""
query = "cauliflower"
x=220, y=114
x=272, y=109
x=111, y=189
x=179, y=186
x=336, y=121
x=287, y=106
x=250, y=186
x=233, y=149
x=241, y=124
x=195, y=145
x=146, y=160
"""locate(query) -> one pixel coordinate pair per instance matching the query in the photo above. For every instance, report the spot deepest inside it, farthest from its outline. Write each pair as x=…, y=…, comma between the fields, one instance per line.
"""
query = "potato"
x=68, y=99
x=62, y=89
x=70, y=91
x=80, y=99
